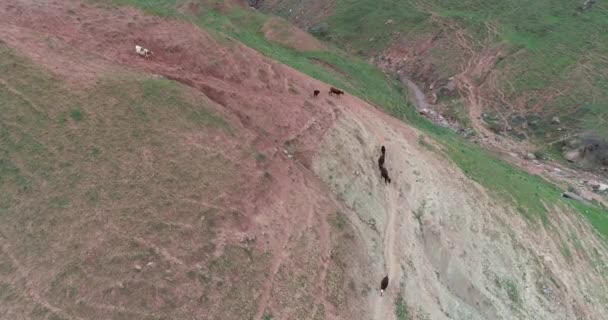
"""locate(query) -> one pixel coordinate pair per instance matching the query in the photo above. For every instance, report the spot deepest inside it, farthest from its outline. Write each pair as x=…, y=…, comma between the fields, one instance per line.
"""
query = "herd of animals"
x=143, y=52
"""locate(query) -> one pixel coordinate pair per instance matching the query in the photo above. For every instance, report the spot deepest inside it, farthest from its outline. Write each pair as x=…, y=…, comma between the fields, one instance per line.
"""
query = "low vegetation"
x=401, y=311
x=531, y=194
x=109, y=165
x=554, y=54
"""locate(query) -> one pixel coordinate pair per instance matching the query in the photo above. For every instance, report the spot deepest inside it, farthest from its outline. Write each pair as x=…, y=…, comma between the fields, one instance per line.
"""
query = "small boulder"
x=530, y=156
x=555, y=120
x=593, y=184
x=389, y=21
x=573, y=196
x=572, y=155
x=137, y=267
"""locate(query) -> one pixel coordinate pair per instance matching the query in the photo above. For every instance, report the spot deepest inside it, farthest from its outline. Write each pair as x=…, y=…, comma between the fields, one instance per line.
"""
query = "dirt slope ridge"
x=265, y=219
x=449, y=248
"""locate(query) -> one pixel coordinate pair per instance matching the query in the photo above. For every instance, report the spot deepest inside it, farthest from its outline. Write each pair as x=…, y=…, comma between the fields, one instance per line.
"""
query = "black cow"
x=383, y=285
x=381, y=159
x=335, y=91
x=384, y=174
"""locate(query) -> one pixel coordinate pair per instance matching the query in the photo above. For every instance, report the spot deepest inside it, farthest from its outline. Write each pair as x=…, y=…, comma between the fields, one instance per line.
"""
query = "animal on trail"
x=381, y=159
x=335, y=91
x=381, y=162
x=315, y=93
x=383, y=285
x=384, y=174
x=143, y=51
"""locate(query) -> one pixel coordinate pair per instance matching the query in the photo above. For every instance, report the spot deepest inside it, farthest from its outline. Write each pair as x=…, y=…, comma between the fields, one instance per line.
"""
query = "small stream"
x=418, y=99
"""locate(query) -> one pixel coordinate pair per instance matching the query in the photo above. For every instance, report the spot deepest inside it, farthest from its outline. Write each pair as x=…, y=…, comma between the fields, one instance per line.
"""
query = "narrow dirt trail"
x=383, y=307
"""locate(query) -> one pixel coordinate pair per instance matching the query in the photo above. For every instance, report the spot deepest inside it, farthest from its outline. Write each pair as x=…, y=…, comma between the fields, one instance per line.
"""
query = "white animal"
x=143, y=51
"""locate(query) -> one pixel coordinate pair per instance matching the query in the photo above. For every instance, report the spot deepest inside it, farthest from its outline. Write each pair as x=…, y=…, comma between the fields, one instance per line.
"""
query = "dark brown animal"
x=335, y=91
x=381, y=159
x=383, y=285
x=384, y=174
x=315, y=93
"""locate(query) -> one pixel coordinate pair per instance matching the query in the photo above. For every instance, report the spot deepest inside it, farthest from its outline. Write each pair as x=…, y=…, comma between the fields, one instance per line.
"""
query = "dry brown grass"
x=113, y=201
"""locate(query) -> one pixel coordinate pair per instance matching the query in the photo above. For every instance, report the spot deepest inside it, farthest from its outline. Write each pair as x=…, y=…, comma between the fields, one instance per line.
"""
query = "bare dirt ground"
x=284, y=216
x=448, y=247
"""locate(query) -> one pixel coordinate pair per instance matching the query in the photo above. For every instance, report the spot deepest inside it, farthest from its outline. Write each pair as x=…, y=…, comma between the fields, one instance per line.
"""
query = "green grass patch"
x=364, y=26
x=338, y=220
x=165, y=8
x=510, y=288
x=76, y=115
x=528, y=193
x=401, y=311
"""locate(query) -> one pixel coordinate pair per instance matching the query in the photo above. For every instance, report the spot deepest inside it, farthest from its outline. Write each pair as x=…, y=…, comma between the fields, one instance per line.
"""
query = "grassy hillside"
x=104, y=170
x=529, y=194
x=554, y=56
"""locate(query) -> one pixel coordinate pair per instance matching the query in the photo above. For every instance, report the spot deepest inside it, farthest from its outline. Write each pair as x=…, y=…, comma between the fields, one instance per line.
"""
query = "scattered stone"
x=555, y=120
x=530, y=156
x=389, y=21
x=424, y=111
x=593, y=184
x=246, y=238
x=513, y=155
x=572, y=155
x=536, y=162
x=137, y=267
x=547, y=291
x=573, y=196
x=150, y=264
x=372, y=224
